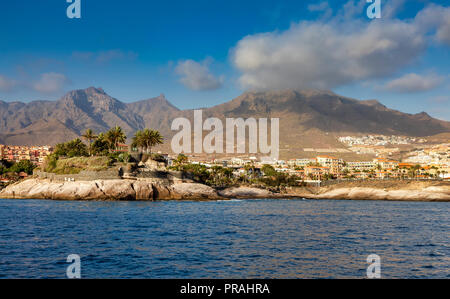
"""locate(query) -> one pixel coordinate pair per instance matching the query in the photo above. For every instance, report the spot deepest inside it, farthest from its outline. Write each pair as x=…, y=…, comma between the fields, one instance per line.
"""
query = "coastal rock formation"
x=194, y=191
x=67, y=191
x=151, y=189
x=246, y=192
x=107, y=190
x=361, y=193
x=118, y=189
x=143, y=190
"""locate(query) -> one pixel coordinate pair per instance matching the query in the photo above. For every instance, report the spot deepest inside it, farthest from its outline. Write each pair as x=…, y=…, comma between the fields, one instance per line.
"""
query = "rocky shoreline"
x=409, y=190
x=149, y=190
x=108, y=190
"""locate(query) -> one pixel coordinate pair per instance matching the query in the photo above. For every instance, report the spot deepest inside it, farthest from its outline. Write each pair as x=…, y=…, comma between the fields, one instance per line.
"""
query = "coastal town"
x=17, y=162
x=430, y=162
x=34, y=154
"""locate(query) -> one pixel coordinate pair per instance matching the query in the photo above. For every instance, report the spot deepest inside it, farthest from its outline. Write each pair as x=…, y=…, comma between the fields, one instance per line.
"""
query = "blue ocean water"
x=224, y=239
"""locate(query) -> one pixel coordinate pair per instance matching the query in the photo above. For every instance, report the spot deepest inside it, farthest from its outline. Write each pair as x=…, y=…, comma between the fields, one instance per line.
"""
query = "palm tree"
x=137, y=140
x=150, y=138
x=146, y=139
x=89, y=135
x=155, y=139
x=115, y=136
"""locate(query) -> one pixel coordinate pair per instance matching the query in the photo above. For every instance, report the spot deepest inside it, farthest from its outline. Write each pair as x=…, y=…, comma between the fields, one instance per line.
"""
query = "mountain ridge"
x=308, y=118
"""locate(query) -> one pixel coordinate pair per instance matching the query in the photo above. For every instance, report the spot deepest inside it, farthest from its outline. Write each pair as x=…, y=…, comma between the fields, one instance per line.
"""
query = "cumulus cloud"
x=414, y=83
x=332, y=53
x=6, y=84
x=390, y=8
x=50, y=83
x=323, y=56
x=438, y=18
x=443, y=33
x=197, y=76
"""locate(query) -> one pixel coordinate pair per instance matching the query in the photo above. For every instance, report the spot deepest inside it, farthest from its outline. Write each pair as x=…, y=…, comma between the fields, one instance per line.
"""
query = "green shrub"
x=75, y=165
x=118, y=157
x=3, y=169
x=269, y=170
x=22, y=166
x=100, y=147
x=74, y=148
x=279, y=179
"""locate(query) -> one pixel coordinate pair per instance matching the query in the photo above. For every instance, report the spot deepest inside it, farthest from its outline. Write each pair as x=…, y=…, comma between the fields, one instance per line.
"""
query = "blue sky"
x=202, y=53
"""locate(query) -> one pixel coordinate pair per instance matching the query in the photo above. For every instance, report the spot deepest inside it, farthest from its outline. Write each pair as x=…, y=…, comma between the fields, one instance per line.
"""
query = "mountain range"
x=308, y=118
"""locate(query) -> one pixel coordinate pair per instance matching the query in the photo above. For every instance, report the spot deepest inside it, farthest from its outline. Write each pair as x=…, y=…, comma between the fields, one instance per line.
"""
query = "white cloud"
x=390, y=8
x=50, y=83
x=435, y=17
x=414, y=83
x=330, y=53
x=197, y=76
x=7, y=84
x=443, y=33
x=323, y=56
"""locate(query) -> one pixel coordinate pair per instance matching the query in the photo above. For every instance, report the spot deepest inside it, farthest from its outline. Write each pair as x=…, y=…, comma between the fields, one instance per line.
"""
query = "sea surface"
x=224, y=239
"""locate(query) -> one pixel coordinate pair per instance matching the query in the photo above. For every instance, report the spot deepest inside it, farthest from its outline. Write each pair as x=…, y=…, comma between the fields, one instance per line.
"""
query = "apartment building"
x=334, y=164
x=386, y=163
x=301, y=162
x=361, y=166
x=316, y=172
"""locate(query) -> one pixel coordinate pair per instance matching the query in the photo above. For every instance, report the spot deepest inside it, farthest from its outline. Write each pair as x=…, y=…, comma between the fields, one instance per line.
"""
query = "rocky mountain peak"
x=91, y=99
